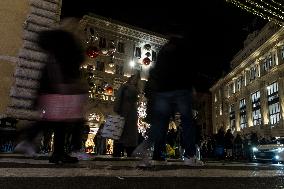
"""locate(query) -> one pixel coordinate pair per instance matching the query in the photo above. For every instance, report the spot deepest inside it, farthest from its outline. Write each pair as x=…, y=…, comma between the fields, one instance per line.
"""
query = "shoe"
x=58, y=159
x=82, y=156
x=26, y=148
x=193, y=161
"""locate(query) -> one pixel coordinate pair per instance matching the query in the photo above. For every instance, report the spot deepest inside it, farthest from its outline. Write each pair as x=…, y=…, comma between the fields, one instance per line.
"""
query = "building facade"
x=251, y=96
x=115, y=51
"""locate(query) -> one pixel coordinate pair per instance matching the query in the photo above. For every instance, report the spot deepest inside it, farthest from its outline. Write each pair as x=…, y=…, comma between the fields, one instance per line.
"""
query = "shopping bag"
x=61, y=107
x=113, y=127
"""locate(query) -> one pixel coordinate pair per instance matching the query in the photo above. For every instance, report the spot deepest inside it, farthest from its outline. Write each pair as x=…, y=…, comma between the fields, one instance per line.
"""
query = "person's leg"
x=184, y=107
x=117, y=149
x=129, y=150
x=77, y=136
x=161, y=115
x=28, y=145
x=59, y=138
x=161, y=111
x=59, y=155
x=159, y=146
x=47, y=137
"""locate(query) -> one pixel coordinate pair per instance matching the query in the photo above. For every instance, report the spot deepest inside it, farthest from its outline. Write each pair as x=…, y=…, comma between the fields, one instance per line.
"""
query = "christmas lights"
x=271, y=10
x=142, y=106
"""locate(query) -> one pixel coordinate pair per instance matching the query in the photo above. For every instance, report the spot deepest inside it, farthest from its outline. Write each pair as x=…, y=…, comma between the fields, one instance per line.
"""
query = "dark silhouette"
x=61, y=76
x=169, y=89
x=126, y=106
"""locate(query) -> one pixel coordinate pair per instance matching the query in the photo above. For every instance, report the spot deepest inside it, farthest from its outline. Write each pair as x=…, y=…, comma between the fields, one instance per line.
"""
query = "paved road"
x=19, y=172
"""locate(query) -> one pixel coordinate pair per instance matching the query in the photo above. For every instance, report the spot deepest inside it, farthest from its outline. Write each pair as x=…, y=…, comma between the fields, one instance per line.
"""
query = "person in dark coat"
x=127, y=108
x=229, y=138
x=170, y=92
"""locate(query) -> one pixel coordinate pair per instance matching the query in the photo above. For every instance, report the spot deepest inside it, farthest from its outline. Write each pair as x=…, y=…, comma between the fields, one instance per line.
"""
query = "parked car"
x=271, y=152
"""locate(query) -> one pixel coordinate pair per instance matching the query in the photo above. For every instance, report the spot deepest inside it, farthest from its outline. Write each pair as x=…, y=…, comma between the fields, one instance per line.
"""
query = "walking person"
x=126, y=106
x=228, y=140
x=60, y=77
x=171, y=92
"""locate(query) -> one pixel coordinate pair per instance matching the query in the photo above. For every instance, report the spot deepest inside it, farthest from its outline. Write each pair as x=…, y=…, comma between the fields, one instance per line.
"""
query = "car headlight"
x=280, y=149
x=254, y=149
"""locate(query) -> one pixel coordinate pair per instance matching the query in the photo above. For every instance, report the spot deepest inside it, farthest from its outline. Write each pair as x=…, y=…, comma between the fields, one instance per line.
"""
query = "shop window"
x=243, y=116
x=256, y=114
x=273, y=103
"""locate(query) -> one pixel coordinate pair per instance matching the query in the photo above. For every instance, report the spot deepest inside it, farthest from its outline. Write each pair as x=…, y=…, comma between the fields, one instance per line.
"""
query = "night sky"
x=218, y=29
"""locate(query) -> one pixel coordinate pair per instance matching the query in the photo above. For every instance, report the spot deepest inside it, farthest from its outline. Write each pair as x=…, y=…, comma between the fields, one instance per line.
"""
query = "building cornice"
x=266, y=32
x=251, y=58
x=124, y=29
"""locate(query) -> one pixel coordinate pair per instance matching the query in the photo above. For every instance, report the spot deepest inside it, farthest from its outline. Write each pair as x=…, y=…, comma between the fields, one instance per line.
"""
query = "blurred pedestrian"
x=60, y=85
x=228, y=139
x=126, y=106
x=170, y=89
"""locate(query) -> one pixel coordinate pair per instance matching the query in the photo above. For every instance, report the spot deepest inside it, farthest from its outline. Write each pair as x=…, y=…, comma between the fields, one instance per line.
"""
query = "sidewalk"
x=106, y=172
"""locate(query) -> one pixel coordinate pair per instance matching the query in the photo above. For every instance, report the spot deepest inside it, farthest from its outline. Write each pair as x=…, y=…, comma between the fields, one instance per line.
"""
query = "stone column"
x=249, y=108
x=263, y=104
x=237, y=114
x=43, y=14
x=275, y=53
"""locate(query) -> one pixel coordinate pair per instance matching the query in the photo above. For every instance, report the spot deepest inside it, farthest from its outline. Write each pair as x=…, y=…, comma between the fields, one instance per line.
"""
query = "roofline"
x=128, y=25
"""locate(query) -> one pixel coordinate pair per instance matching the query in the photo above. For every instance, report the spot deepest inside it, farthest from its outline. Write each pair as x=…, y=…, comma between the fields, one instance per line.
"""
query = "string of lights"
x=265, y=9
x=273, y=7
x=277, y=3
x=254, y=11
x=270, y=10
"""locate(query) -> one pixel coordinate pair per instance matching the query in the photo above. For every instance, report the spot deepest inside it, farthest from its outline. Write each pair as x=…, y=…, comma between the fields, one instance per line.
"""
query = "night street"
x=104, y=172
x=88, y=88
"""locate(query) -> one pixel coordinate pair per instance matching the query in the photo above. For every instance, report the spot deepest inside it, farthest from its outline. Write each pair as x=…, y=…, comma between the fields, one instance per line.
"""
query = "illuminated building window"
x=253, y=73
x=120, y=47
x=256, y=114
x=240, y=82
x=273, y=103
x=243, y=114
x=267, y=64
x=232, y=117
x=230, y=89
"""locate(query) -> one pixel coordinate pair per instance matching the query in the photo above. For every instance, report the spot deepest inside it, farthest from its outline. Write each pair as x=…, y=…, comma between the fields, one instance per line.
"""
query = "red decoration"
x=92, y=51
x=146, y=61
x=109, y=90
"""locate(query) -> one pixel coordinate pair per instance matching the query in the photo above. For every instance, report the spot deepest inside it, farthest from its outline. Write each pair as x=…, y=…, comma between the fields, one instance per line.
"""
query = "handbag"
x=62, y=107
x=113, y=127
